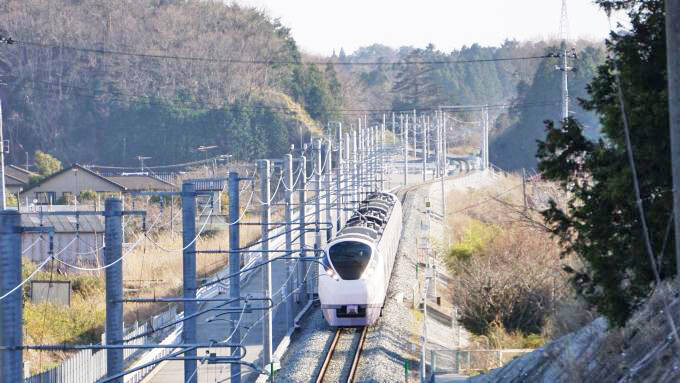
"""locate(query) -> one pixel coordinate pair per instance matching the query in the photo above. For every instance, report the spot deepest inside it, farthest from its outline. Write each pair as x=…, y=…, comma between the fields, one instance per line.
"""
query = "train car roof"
x=370, y=219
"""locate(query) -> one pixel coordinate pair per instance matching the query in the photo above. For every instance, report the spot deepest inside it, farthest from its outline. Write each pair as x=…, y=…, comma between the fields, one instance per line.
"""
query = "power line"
x=272, y=62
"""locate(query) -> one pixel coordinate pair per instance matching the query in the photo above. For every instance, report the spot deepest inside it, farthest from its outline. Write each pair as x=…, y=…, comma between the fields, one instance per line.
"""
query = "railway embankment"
x=645, y=350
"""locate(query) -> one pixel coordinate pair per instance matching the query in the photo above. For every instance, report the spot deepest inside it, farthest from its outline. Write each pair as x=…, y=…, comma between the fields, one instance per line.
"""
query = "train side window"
x=350, y=259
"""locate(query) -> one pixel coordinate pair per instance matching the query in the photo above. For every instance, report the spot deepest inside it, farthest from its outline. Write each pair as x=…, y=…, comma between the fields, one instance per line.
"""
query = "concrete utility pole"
x=189, y=277
x=3, y=199
x=11, y=369
x=265, y=195
x=234, y=268
x=673, y=54
x=113, y=251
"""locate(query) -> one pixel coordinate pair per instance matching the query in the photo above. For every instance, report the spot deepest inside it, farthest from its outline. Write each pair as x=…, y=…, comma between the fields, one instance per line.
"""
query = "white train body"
x=358, y=263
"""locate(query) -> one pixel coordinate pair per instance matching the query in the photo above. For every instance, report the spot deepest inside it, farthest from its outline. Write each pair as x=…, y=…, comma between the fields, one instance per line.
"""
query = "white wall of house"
x=70, y=182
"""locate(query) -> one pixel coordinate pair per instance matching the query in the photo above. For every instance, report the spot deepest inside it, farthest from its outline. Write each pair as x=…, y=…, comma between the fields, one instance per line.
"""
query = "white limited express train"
x=357, y=264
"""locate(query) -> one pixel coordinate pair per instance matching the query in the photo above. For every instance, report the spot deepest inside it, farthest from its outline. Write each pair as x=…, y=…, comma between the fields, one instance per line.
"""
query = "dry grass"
x=508, y=273
x=148, y=271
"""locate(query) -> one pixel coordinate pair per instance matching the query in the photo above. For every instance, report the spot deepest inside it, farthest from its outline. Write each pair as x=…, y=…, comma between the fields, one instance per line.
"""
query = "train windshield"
x=350, y=259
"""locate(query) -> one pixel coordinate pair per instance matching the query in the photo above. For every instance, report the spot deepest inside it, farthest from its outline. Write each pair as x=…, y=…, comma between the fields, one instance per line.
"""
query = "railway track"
x=342, y=359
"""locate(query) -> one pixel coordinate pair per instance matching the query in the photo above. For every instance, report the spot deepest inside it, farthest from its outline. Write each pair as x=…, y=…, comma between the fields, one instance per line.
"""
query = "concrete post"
x=302, y=266
x=263, y=170
x=673, y=57
x=11, y=369
x=189, y=276
x=288, y=183
x=114, y=285
x=234, y=268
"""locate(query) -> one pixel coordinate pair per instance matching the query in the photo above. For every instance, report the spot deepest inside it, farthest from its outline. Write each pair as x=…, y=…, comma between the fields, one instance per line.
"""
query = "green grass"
x=475, y=236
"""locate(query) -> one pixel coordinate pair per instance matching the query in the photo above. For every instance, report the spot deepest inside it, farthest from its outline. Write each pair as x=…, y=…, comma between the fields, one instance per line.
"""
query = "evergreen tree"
x=600, y=223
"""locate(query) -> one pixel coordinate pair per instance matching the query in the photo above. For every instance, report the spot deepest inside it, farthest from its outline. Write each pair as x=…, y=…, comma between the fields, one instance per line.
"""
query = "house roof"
x=80, y=168
x=13, y=181
x=142, y=182
x=18, y=173
x=65, y=223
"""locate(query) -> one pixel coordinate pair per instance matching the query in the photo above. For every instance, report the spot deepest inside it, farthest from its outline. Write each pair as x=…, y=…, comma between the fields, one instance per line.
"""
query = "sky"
x=321, y=26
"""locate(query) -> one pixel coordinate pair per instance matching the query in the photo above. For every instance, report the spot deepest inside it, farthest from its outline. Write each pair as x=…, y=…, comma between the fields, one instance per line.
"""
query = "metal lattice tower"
x=564, y=23
x=564, y=55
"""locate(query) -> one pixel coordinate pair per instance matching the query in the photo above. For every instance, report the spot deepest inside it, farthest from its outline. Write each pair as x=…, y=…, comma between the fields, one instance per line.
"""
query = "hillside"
x=517, y=129
x=642, y=351
x=102, y=82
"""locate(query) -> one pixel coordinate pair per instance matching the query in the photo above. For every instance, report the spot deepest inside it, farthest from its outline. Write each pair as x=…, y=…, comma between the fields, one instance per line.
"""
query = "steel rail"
x=321, y=377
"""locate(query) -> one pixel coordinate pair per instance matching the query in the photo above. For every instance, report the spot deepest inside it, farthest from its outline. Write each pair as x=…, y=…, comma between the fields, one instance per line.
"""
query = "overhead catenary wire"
x=40, y=266
x=198, y=235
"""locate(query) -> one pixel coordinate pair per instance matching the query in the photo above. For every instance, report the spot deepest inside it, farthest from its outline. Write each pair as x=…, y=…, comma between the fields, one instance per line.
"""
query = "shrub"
x=47, y=165
x=509, y=278
x=88, y=195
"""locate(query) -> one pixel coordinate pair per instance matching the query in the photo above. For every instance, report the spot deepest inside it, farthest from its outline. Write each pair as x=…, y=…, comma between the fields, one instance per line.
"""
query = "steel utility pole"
x=302, y=212
x=339, y=175
x=288, y=186
x=11, y=369
x=234, y=268
x=267, y=325
x=355, y=170
x=189, y=277
x=424, y=149
x=317, y=206
x=404, y=129
x=113, y=252
x=327, y=186
x=3, y=200
x=673, y=57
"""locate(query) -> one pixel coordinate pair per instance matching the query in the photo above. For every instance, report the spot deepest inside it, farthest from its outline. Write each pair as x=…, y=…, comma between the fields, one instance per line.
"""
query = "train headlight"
x=331, y=273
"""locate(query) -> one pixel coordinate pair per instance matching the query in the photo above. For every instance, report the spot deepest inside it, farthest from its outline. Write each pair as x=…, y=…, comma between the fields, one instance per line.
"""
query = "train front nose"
x=345, y=296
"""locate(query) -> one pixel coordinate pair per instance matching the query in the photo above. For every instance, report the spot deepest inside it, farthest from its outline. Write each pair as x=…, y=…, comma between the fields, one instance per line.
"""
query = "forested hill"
x=233, y=77
x=516, y=130
x=97, y=105
x=522, y=92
